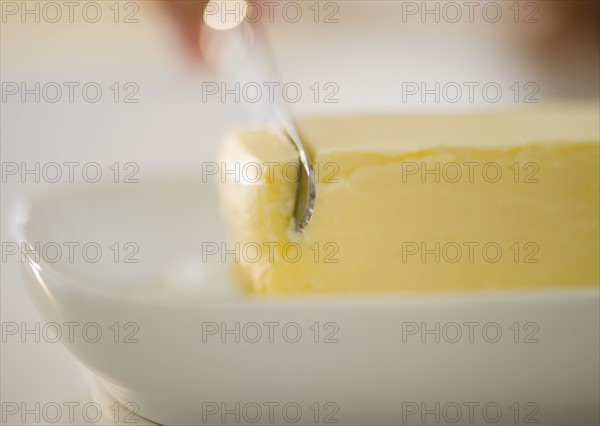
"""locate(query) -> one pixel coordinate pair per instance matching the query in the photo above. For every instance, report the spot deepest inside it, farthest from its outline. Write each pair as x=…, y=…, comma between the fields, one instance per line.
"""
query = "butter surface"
x=422, y=203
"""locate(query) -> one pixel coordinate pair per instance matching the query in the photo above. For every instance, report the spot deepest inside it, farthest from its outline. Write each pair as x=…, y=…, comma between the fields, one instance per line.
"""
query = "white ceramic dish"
x=369, y=364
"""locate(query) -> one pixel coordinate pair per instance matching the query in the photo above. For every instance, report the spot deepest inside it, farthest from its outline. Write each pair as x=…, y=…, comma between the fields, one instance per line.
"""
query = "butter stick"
x=411, y=203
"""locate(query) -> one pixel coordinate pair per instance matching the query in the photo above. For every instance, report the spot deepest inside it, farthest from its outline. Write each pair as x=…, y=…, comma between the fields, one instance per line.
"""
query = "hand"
x=188, y=16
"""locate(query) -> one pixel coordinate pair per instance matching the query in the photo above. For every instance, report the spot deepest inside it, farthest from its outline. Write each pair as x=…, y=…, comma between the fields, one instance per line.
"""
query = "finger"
x=188, y=19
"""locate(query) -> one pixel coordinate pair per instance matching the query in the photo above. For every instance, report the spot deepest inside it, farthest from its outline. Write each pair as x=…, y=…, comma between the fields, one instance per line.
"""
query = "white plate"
x=368, y=363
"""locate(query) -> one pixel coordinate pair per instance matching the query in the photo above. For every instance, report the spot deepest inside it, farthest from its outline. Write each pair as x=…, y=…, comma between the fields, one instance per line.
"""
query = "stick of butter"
x=420, y=203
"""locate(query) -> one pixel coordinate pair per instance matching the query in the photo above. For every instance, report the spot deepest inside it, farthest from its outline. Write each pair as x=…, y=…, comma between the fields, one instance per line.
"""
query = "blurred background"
x=154, y=109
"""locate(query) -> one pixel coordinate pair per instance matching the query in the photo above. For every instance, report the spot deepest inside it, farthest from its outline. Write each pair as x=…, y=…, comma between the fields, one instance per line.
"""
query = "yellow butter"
x=421, y=203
